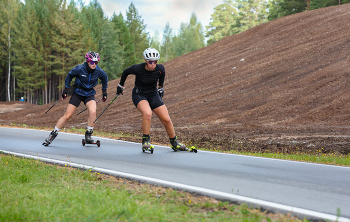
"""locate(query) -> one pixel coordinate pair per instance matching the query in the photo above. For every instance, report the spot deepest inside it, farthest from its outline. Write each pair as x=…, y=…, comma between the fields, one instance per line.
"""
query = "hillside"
x=279, y=85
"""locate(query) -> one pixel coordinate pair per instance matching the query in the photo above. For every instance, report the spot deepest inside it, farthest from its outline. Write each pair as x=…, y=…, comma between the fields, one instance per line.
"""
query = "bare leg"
x=60, y=123
x=163, y=115
x=91, y=106
x=146, y=113
x=67, y=115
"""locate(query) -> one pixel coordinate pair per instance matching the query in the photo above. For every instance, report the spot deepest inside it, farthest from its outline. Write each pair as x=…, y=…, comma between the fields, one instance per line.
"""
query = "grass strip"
x=31, y=190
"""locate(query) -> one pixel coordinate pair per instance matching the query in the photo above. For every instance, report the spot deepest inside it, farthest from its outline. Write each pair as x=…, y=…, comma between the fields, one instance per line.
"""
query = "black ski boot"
x=51, y=137
x=175, y=145
x=88, y=134
x=146, y=144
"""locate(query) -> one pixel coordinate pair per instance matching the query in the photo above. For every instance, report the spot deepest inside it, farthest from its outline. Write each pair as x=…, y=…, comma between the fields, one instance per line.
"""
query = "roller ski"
x=146, y=145
x=88, y=139
x=175, y=145
x=51, y=137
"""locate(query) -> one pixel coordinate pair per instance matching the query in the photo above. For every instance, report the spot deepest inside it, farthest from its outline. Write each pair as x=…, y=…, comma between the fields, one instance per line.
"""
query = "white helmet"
x=151, y=54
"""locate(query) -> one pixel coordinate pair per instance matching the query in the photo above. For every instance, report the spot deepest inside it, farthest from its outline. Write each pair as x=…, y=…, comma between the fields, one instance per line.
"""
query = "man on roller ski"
x=147, y=98
x=86, y=77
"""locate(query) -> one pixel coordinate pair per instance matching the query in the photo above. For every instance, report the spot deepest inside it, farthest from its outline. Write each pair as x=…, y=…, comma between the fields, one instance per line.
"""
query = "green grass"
x=330, y=158
x=31, y=190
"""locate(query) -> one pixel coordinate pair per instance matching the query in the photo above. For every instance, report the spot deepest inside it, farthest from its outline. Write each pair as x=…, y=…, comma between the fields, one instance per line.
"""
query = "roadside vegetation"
x=31, y=190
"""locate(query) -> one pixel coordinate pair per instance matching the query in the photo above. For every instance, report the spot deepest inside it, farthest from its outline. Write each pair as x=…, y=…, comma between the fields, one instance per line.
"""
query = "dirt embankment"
x=282, y=86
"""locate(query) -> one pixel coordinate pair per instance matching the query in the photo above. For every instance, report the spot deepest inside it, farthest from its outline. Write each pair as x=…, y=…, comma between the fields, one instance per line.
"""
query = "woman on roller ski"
x=147, y=98
x=86, y=77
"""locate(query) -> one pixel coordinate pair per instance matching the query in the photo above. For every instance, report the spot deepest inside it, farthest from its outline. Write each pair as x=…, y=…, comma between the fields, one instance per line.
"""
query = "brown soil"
x=277, y=87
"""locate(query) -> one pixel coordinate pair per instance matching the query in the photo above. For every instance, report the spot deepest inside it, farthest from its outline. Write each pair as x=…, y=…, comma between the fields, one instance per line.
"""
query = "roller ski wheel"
x=193, y=149
x=98, y=143
x=148, y=148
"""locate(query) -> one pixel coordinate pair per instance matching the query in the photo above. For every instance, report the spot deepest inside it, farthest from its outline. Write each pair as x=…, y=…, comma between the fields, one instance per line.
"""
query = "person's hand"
x=64, y=93
x=104, y=95
x=120, y=89
x=161, y=92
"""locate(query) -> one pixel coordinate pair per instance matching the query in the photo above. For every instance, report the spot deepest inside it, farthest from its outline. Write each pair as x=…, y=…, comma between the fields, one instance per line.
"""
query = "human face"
x=92, y=64
x=151, y=64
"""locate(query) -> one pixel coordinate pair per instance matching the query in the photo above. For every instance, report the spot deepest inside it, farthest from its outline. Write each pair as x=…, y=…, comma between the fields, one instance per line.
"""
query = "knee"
x=66, y=117
x=167, y=121
x=92, y=113
x=147, y=115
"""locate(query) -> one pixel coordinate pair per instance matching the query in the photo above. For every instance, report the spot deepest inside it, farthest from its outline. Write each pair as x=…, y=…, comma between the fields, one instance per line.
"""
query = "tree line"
x=42, y=40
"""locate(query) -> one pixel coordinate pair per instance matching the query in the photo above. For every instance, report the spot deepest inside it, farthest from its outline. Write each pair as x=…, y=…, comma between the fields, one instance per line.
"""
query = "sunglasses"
x=93, y=62
x=151, y=62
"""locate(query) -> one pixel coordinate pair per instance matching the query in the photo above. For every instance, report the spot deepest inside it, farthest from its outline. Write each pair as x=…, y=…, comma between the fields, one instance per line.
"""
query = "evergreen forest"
x=42, y=40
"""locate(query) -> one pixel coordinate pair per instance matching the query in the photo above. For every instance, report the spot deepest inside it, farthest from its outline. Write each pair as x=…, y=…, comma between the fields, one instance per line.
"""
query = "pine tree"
x=92, y=18
x=155, y=42
x=315, y=4
x=124, y=39
x=190, y=38
x=112, y=52
x=280, y=8
x=167, y=49
x=223, y=22
x=139, y=36
x=66, y=44
x=8, y=15
x=251, y=13
x=28, y=46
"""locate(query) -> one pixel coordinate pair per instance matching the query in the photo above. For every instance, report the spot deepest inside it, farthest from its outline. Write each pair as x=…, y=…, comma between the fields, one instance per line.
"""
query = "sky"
x=156, y=14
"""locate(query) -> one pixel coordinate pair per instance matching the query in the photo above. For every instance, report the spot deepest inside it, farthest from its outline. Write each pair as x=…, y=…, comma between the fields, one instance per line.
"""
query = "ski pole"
x=86, y=108
x=54, y=105
x=106, y=108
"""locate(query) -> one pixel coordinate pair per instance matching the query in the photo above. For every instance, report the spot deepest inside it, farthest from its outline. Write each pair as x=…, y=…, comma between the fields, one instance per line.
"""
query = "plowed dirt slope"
x=280, y=85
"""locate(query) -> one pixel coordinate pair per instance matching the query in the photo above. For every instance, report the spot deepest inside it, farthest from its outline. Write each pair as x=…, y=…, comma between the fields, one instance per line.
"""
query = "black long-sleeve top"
x=144, y=79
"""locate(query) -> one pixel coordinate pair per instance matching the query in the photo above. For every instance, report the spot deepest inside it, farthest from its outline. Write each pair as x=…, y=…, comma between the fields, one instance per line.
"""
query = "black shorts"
x=153, y=98
x=76, y=99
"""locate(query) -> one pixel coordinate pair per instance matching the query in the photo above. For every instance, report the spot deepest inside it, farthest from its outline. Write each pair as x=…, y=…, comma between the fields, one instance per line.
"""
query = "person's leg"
x=67, y=115
x=60, y=123
x=163, y=115
x=146, y=112
x=91, y=107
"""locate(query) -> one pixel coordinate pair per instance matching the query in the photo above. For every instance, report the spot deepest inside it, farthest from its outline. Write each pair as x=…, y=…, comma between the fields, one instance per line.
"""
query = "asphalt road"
x=311, y=190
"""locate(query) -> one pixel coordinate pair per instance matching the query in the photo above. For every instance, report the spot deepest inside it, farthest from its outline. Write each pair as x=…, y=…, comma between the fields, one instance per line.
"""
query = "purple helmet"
x=92, y=56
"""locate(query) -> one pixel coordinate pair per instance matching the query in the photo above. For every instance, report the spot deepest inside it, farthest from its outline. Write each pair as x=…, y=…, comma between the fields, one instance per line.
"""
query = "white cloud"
x=155, y=14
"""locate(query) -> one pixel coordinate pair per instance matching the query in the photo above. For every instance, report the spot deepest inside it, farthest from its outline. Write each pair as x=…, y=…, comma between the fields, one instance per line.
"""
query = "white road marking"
x=207, y=192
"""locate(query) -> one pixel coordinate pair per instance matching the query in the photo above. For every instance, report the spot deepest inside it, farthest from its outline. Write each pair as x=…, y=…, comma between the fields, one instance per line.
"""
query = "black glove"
x=64, y=93
x=161, y=92
x=120, y=89
x=104, y=95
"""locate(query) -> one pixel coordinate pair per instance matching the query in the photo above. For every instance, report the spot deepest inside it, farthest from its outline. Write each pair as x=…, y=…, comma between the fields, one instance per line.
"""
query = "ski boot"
x=175, y=145
x=88, y=139
x=51, y=137
x=146, y=145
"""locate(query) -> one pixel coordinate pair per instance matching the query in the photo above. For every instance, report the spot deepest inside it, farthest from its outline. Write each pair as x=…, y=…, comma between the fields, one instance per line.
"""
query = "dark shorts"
x=76, y=99
x=153, y=98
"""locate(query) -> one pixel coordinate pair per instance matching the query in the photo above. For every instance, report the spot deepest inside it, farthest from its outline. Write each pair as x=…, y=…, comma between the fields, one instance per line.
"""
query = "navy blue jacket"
x=85, y=81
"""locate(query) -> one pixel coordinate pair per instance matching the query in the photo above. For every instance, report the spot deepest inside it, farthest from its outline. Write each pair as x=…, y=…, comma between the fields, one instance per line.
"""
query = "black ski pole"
x=86, y=108
x=53, y=105
x=106, y=108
